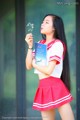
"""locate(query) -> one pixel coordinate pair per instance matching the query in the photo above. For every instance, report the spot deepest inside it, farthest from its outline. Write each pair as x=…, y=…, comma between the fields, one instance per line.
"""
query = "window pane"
x=7, y=65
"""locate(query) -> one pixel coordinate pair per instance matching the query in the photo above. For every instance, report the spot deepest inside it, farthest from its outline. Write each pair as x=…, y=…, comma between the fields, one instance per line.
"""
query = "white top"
x=55, y=51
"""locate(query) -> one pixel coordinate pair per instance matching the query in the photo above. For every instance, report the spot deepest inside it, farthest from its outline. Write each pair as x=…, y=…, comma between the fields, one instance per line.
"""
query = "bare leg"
x=48, y=115
x=66, y=112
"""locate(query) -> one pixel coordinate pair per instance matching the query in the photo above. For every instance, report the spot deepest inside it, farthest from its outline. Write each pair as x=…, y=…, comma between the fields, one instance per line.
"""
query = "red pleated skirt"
x=51, y=93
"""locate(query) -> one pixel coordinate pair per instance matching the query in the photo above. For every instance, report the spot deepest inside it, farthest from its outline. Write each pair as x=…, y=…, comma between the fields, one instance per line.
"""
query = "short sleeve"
x=56, y=52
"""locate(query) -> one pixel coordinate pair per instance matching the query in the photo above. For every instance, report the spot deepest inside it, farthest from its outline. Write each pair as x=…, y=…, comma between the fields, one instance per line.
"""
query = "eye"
x=47, y=22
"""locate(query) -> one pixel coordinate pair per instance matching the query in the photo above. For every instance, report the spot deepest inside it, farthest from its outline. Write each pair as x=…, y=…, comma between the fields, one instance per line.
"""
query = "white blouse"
x=55, y=51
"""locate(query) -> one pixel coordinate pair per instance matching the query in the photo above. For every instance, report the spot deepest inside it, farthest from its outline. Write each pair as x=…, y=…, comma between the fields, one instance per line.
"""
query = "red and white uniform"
x=51, y=92
x=55, y=52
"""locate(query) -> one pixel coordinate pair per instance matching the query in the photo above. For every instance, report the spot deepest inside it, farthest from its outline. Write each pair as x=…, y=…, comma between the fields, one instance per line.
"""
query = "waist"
x=43, y=76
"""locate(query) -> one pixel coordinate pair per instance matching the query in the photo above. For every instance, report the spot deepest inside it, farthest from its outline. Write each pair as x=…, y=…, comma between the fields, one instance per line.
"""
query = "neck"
x=49, y=38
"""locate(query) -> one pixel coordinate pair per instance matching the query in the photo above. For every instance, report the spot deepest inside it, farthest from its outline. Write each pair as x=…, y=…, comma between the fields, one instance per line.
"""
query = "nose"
x=42, y=24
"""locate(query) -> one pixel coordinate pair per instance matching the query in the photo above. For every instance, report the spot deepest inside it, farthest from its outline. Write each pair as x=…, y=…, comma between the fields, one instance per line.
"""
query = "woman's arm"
x=29, y=59
x=45, y=69
x=29, y=40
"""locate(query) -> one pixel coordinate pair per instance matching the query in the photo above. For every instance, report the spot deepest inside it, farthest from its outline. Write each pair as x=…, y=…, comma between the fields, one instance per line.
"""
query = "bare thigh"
x=66, y=112
x=48, y=115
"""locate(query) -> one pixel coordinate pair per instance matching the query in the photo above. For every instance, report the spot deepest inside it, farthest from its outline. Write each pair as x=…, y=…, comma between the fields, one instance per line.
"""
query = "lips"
x=41, y=27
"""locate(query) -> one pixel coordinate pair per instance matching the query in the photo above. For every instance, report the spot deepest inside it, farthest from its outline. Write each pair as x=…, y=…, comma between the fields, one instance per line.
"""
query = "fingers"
x=29, y=37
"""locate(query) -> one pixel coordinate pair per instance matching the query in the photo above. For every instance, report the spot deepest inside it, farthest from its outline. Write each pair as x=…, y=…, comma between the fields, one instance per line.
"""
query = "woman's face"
x=47, y=25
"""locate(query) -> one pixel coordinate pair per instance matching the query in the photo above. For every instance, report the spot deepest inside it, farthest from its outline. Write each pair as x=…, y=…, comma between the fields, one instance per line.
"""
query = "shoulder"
x=58, y=43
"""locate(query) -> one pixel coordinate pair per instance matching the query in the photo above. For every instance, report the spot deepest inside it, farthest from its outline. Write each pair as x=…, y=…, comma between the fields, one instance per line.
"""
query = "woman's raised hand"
x=29, y=40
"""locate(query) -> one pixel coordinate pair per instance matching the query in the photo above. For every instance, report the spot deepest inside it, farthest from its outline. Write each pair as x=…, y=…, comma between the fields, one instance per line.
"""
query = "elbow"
x=28, y=67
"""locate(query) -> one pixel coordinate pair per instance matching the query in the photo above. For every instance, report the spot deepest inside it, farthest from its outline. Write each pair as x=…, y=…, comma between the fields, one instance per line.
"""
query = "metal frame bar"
x=78, y=58
x=20, y=59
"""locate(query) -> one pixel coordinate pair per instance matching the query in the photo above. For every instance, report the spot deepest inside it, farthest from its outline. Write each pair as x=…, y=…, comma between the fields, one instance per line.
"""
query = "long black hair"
x=60, y=34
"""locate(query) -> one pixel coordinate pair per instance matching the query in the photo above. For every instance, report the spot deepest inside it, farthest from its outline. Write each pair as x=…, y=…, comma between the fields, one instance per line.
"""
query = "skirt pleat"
x=51, y=93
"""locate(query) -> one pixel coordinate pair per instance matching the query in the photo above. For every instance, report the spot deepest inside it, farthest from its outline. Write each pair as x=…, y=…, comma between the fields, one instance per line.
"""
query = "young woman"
x=54, y=85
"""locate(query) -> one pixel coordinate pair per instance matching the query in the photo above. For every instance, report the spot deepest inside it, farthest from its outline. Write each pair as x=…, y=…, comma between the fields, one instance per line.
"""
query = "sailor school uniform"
x=51, y=92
